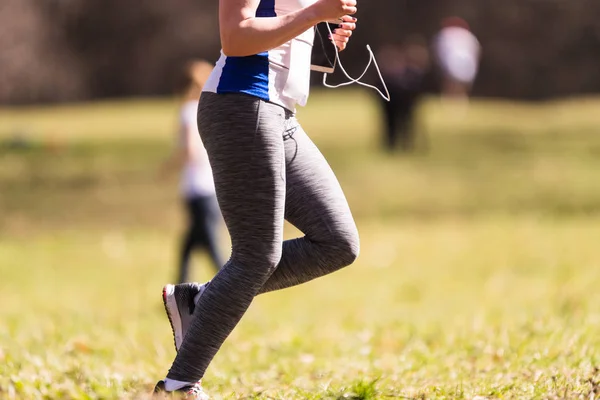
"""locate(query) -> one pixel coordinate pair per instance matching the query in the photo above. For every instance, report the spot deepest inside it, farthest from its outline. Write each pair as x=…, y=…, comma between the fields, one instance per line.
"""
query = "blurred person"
x=457, y=52
x=266, y=169
x=403, y=68
x=197, y=186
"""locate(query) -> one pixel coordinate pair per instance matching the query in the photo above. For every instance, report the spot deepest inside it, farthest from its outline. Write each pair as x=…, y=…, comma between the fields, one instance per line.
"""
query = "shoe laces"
x=195, y=390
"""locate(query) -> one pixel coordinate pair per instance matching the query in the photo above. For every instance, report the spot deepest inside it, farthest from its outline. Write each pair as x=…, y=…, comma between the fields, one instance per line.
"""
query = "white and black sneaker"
x=188, y=392
x=180, y=303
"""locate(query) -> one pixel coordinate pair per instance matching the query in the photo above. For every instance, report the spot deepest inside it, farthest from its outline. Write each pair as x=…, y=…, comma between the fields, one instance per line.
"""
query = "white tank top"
x=281, y=75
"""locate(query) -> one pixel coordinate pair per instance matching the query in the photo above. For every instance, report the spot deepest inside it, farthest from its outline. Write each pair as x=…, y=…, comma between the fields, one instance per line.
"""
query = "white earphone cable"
x=351, y=81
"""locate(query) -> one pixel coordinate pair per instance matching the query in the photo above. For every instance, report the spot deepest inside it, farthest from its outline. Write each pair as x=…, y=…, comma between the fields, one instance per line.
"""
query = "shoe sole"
x=172, y=311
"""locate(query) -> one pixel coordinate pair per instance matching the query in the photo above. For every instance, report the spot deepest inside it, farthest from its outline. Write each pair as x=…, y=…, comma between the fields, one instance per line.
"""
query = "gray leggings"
x=265, y=169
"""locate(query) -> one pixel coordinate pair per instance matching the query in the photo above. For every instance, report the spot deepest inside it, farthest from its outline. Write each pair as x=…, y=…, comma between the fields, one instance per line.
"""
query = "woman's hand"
x=332, y=10
x=342, y=35
x=243, y=34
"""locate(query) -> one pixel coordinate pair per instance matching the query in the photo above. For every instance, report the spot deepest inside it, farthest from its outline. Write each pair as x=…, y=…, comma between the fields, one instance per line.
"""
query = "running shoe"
x=179, y=305
x=189, y=392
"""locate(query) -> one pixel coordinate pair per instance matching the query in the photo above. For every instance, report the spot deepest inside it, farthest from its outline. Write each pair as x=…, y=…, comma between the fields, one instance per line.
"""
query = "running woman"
x=266, y=169
x=197, y=186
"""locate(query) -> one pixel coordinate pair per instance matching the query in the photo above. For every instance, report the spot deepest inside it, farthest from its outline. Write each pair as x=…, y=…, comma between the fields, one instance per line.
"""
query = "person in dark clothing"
x=403, y=69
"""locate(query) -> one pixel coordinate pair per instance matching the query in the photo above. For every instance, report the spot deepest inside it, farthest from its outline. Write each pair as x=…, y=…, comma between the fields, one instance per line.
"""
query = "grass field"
x=479, y=274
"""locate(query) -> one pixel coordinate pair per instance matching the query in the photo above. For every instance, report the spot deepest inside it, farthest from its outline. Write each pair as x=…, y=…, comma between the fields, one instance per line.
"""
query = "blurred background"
x=476, y=191
x=73, y=50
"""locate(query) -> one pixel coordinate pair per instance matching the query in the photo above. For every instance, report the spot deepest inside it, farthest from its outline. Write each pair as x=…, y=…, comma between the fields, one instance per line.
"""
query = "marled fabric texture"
x=265, y=169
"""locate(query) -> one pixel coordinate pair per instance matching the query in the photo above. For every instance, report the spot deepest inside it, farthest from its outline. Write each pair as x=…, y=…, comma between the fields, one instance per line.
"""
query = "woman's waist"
x=284, y=55
x=272, y=67
x=280, y=75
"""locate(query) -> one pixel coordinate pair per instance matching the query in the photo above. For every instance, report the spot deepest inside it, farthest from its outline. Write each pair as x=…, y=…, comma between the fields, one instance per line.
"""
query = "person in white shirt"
x=196, y=186
x=458, y=54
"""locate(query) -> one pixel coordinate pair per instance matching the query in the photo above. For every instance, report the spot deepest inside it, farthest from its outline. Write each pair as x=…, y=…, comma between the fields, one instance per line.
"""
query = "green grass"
x=478, y=274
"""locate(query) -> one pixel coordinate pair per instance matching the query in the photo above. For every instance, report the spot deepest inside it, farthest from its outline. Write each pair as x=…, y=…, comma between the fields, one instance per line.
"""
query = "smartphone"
x=323, y=58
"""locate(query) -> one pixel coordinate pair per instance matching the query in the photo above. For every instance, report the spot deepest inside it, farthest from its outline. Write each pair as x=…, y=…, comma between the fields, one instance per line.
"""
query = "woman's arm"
x=242, y=34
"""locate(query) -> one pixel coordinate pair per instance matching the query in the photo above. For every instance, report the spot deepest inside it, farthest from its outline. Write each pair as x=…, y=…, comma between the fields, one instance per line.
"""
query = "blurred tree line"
x=68, y=50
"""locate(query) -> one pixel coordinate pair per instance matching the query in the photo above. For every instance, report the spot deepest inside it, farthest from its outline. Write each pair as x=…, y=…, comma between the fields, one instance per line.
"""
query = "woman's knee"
x=347, y=246
x=261, y=259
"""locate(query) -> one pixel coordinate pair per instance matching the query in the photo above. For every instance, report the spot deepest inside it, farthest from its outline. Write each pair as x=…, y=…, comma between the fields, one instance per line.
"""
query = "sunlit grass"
x=493, y=308
x=478, y=274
